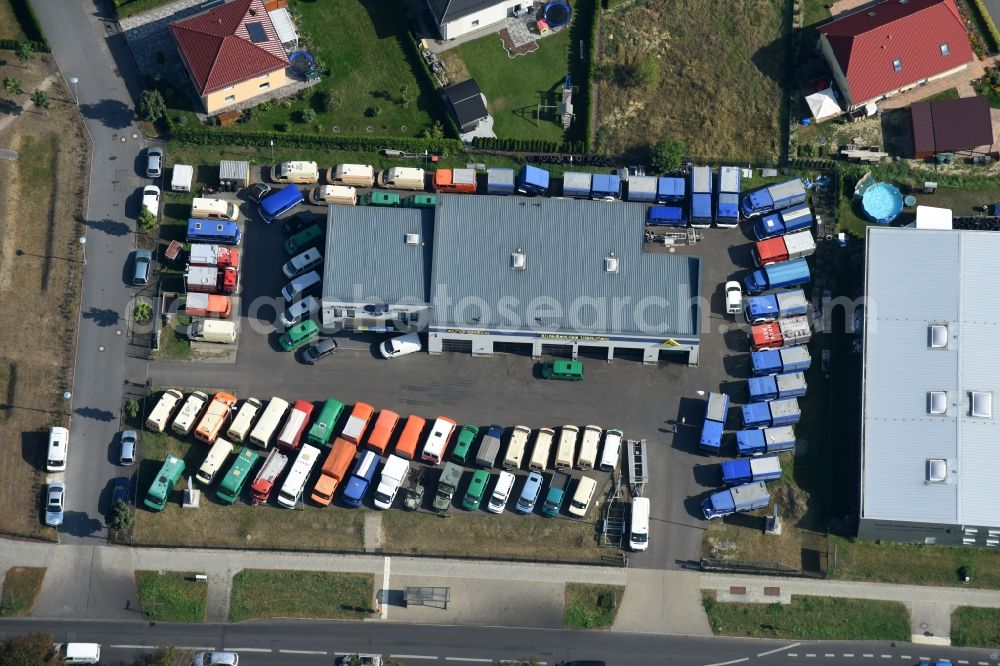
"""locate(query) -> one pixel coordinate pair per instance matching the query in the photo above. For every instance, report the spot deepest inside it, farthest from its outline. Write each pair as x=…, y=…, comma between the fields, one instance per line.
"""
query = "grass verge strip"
x=259, y=593
x=20, y=589
x=173, y=596
x=976, y=627
x=591, y=606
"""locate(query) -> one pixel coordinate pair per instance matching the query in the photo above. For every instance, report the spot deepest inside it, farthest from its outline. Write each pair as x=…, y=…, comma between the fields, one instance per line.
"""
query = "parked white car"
x=151, y=199
x=401, y=346
x=734, y=297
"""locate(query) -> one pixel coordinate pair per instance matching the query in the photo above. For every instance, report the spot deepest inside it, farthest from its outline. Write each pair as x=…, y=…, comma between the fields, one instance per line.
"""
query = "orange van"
x=385, y=424
x=406, y=447
x=335, y=467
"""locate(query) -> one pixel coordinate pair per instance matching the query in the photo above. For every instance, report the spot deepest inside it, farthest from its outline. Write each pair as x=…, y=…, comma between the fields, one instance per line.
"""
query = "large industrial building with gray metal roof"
x=523, y=275
x=930, y=439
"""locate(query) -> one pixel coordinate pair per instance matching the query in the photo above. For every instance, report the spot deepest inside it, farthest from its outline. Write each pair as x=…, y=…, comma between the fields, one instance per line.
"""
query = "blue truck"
x=773, y=361
x=771, y=307
x=666, y=216
x=765, y=440
x=748, y=470
x=641, y=188
x=727, y=210
x=772, y=387
x=576, y=184
x=777, y=276
x=784, y=411
x=773, y=197
x=361, y=479
x=701, y=196
x=748, y=497
x=607, y=186
x=532, y=180
x=783, y=222
x=499, y=180
x=716, y=410
x=669, y=189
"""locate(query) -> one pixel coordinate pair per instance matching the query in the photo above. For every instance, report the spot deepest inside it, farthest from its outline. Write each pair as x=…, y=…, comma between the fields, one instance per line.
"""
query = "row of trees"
x=13, y=86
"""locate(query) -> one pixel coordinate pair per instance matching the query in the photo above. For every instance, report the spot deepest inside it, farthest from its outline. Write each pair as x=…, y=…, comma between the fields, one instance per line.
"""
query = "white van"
x=80, y=653
x=567, y=446
x=501, y=492
x=212, y=330
x=244, y=419
x=158, y=418
x=589, y=444
x=402, y=178
x=540, y=454
x=612, y=451
x=295, y=481
x=341, y=195
x=581, y=498
x=264, y=430
x=214, y=461
x=190, y=411
x=358, y=175
x=55, y=461
x=295, y=172
x=301, y=263
x=437, y=440
x=300, y=285
x=516, y=447
x=214, y=209
x=638, y=533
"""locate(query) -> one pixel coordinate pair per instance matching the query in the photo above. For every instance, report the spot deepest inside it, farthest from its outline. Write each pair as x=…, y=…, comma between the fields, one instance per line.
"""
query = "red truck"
x=208, y=305
x=275, y=464
x=211, y=280
x=782, y=333
x=220, y=256
x=784, y=248
x=458, y=181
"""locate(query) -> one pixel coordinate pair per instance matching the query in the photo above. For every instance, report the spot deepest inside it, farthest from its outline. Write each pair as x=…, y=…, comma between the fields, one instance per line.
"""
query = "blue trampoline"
x=882, y=203
x=557, y=13
x=303, y=64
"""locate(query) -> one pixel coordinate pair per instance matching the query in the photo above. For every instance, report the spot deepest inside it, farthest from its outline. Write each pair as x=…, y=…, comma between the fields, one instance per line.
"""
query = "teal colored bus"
x=232, y=485
x=322, y=428
x=159, y=492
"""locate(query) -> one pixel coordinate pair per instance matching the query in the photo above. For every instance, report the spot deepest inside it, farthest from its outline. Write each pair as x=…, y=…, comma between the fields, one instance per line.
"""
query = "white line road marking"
x=232, y=649
x=962, y=661
x=810, y=654
x=781, y=649
x=303, y=651
x=208, y=648
x=867, y=656
x=829, y=654
x=133, y=647
x=411, y=656
x=384, y=602
x=734, y=661
x=905, y=656
x=887, y=656
x=924, y=658
x=983, y=663
x=849, y=655
x=476, y=659
x=792, y=654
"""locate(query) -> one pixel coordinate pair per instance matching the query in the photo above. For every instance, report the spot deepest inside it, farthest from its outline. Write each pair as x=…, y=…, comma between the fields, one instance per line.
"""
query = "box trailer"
x=782, y=333
x=758, y=441
x=727, y=211
x=641, y=189
x=771, y=361
x=716, y=411
x=773, y=197
x=181, y=177
x=772, y=387
x=773, y=413
x=576, y=184
x=532, y=180
x=748, y=497
x=500, y=180
x=771, y=307
x=792, y=273
x=748, y=470
x=701, y=196
x=670, y=189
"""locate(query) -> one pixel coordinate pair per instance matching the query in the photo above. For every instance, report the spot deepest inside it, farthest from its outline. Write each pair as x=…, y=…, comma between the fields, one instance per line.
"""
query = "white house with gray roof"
x=455, y=18
x=930, y=442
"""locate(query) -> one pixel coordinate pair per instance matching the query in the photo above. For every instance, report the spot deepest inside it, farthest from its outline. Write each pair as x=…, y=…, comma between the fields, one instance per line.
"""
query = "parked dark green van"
x=570, y=370
x=477, y=487
x=463, y=442
x=299, y=335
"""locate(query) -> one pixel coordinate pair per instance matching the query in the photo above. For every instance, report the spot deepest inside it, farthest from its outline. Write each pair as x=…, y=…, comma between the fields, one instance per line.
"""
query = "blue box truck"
x=772, y=387
x=771, y=307
x=701, y=196
x=360, y=479
x=777, y=276
x=765, y=440
x=666, y=216
x=532, y=180
x=771, y=361
x=748, y=470
x=773, y=413
x=499, y=180
x=727, y=210
x=783, y=222
x=716, y=410
x=773, y=197
x=607, y=186
x=748, y=497
x=669, y=189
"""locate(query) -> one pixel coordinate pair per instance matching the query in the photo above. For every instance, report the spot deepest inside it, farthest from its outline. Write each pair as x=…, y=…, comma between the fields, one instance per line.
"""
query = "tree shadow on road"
x=102, y=316
x=111, y=112
x=94, y=413
x=109, y=226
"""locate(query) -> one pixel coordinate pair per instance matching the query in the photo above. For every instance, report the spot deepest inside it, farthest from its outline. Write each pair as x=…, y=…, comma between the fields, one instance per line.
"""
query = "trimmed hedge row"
x=29, y=24
x=126, y=8
x=12, y=44
x=529, y=145
x=987, y=20
x=584, y=29
x=353, y=143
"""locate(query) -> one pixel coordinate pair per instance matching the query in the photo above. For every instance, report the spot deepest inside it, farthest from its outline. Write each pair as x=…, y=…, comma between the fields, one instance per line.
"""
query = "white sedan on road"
x=151, y=199
x=734, y=297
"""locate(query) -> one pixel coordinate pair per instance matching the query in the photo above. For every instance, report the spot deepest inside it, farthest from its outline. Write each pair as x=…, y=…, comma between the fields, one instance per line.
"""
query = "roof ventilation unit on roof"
x=937, y=336
x=981, y=404
x=937, y=470
x=518, y=260
x=611, y=263
x=937, y=402
x=412, y=239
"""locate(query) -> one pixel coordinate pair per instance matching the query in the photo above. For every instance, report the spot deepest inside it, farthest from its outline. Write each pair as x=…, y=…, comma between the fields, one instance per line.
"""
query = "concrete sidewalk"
x=930, y=607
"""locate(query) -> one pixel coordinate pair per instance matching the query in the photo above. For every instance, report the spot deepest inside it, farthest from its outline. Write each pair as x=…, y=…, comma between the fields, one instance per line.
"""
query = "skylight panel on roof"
x=981, y=404
x=256, y=32
x=937, y=336
x=937, y=402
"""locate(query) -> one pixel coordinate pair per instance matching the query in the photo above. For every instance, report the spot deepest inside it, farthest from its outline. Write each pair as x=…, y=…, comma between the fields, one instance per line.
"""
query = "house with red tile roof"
x=232, y=53
x=892, y=46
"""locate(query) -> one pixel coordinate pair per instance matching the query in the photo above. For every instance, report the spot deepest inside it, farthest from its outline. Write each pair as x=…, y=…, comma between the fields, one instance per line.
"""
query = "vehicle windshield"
x=640, y=538
x=382, y=497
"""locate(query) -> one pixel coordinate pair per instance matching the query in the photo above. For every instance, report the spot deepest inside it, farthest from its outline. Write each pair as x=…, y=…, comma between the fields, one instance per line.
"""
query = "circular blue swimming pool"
x=882, y=203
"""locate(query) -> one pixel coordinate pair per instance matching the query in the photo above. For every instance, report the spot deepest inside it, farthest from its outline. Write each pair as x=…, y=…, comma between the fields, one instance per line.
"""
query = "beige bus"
x=214, y=209
x=566, y=449
x=540, y=453
x=244, y=419
x=160, y=416
x=589, y=444
x=295, y=172
x=356, y=175
x=214, y=461
x=516, y=447
x=264, y=430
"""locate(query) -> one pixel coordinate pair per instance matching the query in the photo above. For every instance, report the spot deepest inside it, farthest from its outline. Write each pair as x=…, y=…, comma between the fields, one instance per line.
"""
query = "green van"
x=477, y=487
x=378, y=198
x=569, y=370
x=305, y=238
x=463, y=442
x=423, y=201
x=299, y=335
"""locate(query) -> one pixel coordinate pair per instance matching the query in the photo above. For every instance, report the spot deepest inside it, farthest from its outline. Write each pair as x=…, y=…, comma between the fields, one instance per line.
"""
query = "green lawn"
x=989, y=91
x=308, y=594
x=915, y=564
x=811, y=618
x=976, y=627
x=173, y=596
x=9, y=26
x=514, y=86
x=591, y=606
x=20, y=589
x=126, y=8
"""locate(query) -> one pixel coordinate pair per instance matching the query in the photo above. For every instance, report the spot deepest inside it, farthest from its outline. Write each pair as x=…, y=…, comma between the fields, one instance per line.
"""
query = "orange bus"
x=385, y=424
x=216, y=416
x=406, y=447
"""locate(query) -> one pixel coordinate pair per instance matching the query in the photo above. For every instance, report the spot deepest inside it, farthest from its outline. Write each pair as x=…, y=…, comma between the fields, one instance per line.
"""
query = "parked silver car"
x=55, y=503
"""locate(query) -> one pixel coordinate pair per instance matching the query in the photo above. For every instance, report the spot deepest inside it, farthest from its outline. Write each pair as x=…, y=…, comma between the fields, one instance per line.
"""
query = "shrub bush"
x=142, y=312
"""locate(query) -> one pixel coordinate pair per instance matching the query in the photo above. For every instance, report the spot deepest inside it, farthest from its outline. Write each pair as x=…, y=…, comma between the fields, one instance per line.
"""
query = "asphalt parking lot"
x=646, y=401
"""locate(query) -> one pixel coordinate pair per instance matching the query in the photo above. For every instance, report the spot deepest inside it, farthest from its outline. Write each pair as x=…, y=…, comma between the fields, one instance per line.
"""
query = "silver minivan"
x=298, y=311
x=529, y=494
x=300, y=285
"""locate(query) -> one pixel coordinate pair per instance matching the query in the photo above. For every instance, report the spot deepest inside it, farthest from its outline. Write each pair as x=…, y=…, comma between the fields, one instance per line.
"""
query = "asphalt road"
x=308, y=642
x=77, y=34
x=645, y=401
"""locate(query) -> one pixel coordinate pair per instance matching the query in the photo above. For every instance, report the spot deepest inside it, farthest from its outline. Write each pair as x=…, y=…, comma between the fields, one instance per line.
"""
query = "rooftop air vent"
x=611, y=263
x=981, y=404
x=937, y=336
x=937, y=470
x=518, y=260
x=412, y=239
x=937, y=402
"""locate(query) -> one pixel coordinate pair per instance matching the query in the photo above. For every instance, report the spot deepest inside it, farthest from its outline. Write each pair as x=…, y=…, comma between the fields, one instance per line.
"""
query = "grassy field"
x=39, y=264
x=307, y=594
x=592, y=606
x=515, y=86
x=715, y=83
x=237, y=525
x=975, y=627
x=811, y=618
x=20, y=589
x=916, y=564
x=173, y=596
x=9, y=26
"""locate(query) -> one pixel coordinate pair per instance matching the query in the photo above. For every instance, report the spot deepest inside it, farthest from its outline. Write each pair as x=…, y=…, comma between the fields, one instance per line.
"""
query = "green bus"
x=322, y=429
x=159, y=492
x=305, y=238
x=231, y=486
